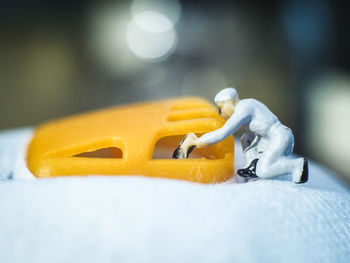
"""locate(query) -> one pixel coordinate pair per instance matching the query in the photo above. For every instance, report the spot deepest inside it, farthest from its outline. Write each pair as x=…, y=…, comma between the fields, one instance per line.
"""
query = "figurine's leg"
x=268, y=169
x=276, y=158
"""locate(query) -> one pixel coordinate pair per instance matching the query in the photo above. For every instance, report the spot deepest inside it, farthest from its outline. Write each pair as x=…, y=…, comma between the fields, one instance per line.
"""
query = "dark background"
x=64, y=57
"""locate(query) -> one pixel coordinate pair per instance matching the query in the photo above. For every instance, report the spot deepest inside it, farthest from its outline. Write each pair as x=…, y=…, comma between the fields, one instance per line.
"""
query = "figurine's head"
x=226, y=101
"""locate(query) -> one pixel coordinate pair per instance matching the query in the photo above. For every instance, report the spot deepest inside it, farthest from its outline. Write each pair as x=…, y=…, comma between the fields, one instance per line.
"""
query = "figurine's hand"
x=186, y=147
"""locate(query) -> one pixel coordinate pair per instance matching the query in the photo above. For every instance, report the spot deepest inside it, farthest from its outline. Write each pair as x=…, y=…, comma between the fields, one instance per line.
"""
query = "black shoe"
x=305, y=174
x=249, y=171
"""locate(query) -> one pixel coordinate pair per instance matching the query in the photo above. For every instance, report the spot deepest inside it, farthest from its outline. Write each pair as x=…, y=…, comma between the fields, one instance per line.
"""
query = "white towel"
x=138, y=219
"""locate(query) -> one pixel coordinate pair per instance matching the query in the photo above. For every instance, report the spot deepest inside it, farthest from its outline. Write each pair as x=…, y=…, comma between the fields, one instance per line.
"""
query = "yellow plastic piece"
x=135, y=139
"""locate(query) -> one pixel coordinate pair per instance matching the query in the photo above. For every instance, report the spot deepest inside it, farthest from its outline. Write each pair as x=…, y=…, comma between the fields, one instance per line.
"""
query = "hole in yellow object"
x=166, y=146
x=110, y=152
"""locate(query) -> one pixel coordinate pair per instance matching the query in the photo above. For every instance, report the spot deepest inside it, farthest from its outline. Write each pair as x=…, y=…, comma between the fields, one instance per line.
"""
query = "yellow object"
x=135, y=139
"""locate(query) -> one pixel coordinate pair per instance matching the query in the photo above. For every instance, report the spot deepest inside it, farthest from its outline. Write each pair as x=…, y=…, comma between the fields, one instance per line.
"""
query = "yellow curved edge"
x=135, y=130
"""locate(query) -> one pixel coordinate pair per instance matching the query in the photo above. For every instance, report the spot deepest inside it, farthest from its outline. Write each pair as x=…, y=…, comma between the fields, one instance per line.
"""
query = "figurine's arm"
x=240, y=117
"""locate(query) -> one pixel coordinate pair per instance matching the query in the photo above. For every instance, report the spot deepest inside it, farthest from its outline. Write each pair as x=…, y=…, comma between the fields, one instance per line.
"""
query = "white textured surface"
x=136, y=219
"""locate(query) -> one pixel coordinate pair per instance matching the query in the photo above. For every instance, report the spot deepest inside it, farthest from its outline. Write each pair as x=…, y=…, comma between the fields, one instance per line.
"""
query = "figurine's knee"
x=262, y=170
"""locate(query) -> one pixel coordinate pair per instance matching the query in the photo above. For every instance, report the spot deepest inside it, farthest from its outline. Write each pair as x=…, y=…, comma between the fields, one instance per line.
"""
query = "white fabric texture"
x=139, y=219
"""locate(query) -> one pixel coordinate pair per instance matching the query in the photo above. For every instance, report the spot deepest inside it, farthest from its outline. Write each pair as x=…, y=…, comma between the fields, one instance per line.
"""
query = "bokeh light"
x=170, y=8
x=107, y=46
x=151, y=35
x=329, y=115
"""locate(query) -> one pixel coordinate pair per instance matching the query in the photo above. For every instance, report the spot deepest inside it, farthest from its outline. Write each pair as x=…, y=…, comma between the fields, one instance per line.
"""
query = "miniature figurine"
x=267, y=145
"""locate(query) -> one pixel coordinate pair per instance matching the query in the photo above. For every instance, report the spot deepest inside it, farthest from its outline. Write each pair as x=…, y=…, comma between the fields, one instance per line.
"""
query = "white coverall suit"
x=277, y=139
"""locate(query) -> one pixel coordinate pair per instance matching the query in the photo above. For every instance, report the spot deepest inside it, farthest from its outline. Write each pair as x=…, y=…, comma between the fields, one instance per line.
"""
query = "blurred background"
x=63, y=57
